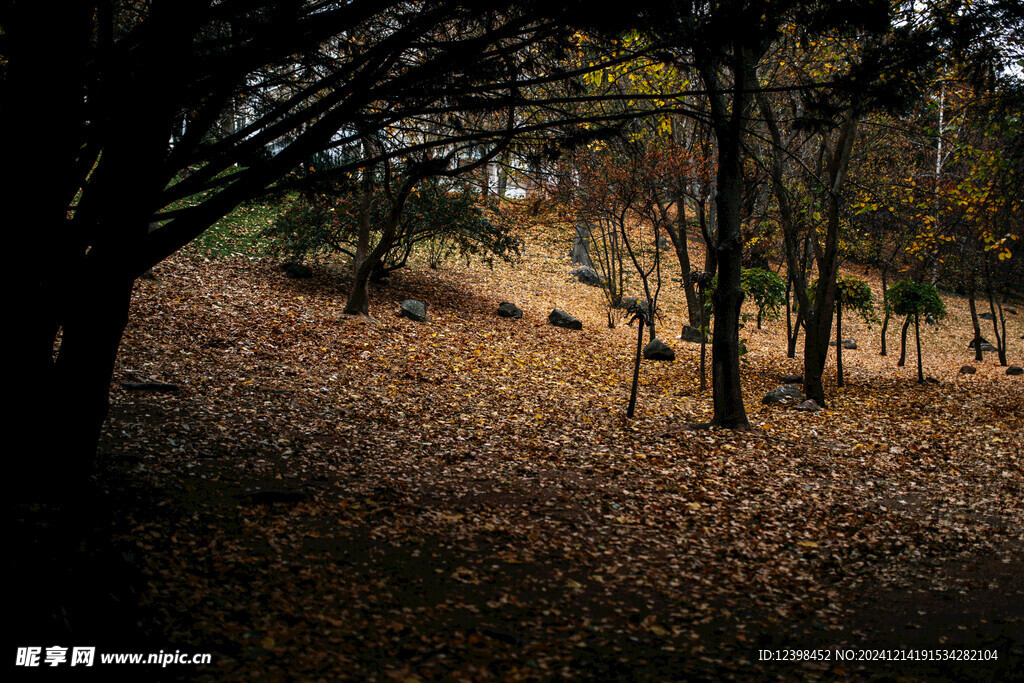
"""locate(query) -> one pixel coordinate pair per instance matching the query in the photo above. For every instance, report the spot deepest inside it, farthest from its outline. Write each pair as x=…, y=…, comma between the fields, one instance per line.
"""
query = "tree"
x=121, y=152
x=853, y=294
x=767, y=290
x=915, y=299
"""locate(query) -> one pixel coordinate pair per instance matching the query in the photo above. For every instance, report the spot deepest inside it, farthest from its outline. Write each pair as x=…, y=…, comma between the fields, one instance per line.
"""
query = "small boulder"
x=986, y=316
x=560, y=318
x=982, y=339
x=1010, y=311
x=296, y=270
x=810, y=405
x=792, y=379
x=658, y=350
x=414, y=310
x=932, y=380
x=1015, y=370
x=847, y=344
x=783, y=394
x=988, y=347
x=968, y=370
x=509, y=310
x=691, y=334
x=587, y=276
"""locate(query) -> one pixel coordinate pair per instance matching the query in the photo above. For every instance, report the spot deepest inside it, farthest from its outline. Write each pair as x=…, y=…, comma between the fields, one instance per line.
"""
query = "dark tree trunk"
x=996, y=309
x=681, y=245
x=917, y=338
x=903, y=343
x=728, y=119
x=974, y=322
x=885, y=307
x=636, y=367
x=839, y=342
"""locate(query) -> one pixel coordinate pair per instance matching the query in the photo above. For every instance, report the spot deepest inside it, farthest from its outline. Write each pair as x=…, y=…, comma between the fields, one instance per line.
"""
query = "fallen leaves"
x=463, y=498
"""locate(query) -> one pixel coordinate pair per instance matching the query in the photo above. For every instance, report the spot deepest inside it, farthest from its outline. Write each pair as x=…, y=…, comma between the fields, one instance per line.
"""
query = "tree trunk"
x=636, y=367
x=729, y=120
x=997, y=316
x=680, y=242
x=903, y=343
x=885, y=307
x=917, y=338
x=839, y=342
x=974, y=321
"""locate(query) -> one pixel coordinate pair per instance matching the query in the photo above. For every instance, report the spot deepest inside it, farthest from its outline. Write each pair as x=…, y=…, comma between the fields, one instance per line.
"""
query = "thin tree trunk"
x=903, y=343
x=839, y=342
x=917, y=337
x=885, y=307
x=974, y=322
x=636, y=367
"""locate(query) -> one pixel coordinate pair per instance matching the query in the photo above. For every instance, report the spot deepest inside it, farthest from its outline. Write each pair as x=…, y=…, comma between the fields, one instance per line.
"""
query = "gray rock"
x=1010, y=311
x=509, y=310
x=988, y=347
x=587, y=276
x=414, y=310
x=1015, y=370
x=783, y=394
x=691, y=334
x=932, y=380
x=296, y=270
x=662, y=243
x=658, y=350
x=986, y=316
x=809, y=405
x=983, y=341
x=968, y=370
x=792, y=379
x=560, y=318
x=847, y=344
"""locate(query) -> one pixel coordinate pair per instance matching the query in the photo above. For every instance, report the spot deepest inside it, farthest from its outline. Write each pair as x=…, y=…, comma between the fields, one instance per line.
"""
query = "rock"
x=560, y=318
x=1015, y=370
x=847, y=344
x=932, y=380
x=148, y=275
x=986, y=316
x=792, y=379
x=1010, y=311
x=988, y=347
x=587, y=276
x=783, y=394
x=157, y=387
x=809, y=405
x=691, y=334
x=414, y=310
x=509, y=310
x=968, y=370
x=662, y=243
x=743, y=348
x=296, y=270
x=983, y=341
x=658, y=350
x=632, y=304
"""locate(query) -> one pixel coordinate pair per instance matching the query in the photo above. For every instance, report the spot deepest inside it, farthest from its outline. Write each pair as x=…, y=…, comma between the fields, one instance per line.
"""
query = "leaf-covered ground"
x=331, y=498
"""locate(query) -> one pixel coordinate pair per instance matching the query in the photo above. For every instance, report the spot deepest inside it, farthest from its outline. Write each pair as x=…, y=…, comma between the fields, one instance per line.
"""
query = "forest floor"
x=331, y=498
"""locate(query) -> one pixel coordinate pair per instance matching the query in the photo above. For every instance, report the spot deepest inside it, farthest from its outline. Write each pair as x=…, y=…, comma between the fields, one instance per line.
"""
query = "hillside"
x=331, y=498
